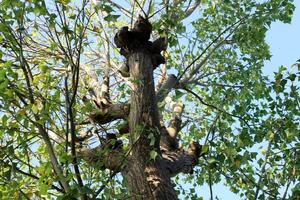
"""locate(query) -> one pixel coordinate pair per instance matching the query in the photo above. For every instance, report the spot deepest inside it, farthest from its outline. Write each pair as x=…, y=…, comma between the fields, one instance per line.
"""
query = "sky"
x=284, y=41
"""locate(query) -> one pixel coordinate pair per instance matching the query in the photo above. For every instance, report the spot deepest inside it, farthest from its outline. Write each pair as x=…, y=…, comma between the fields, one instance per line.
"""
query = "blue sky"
x=284, y=41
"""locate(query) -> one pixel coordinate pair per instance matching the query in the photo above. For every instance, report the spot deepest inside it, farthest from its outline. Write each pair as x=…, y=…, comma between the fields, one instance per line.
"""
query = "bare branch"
x=166, y=87
x=105, y=157
x=192, y=8
x=162, y=77
x=121, y=8
x=210, y=185
x=111, y=113
x=105, y=99
x=235, y=25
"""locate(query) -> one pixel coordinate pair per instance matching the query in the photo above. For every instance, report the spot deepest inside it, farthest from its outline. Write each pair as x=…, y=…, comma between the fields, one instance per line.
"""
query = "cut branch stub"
x=130, y=40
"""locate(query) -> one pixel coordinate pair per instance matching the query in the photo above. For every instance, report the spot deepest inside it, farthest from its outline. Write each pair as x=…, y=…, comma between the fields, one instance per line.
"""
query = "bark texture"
x=146, y=177
x=154, y=154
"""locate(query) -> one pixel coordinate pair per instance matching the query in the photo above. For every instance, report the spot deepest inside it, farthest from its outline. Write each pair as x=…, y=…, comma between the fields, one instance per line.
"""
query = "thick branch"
x=166, y=88
x=107, y=158
x=188, y=11
x=111, y=113
x=175, y=122
x=54, y=161
x=182, y=161
x=60, y=138
x=192, y=8
x=92, y=84
x=169, y=139
x=162, y=77
x=105, y=99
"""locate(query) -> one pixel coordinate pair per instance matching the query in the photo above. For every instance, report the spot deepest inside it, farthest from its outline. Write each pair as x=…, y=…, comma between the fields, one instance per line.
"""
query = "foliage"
x=249, y=122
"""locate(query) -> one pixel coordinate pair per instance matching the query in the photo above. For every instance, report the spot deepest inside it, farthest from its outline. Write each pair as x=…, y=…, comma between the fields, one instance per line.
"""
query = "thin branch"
x=213, y=42
x=210, y=185
x=26, y=197
x=216, y=108
x=137, y=2
x=52, y=156
x=121, y=8
x=286, y=189
x=263, y=169
x=73, y=134
x=211, y=128
x=30, y=175
x=149, y=8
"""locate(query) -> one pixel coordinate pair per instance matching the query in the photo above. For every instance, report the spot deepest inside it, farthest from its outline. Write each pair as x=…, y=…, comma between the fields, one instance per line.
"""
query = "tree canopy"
x=65, y=102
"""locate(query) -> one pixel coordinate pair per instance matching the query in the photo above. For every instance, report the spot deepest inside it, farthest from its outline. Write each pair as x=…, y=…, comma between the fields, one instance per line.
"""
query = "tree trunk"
x=154, y=155
x=146, y=178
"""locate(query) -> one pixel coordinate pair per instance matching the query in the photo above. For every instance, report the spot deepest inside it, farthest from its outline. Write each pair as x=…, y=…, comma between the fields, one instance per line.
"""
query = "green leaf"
x=63, y=2
x=43, y=189
x=153, y=154
x=204, y=149
x=292, y=77
x=111, y=18
x=178, y=94
x=283, y=83
x=35, y=108
x=151, y=136
x=212, y=163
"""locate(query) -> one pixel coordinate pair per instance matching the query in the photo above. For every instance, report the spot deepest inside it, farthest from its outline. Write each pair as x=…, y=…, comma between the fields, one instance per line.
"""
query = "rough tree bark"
x=146, y=176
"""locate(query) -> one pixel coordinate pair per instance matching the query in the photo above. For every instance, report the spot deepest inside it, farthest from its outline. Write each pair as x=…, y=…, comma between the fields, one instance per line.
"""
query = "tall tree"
x=113, y=100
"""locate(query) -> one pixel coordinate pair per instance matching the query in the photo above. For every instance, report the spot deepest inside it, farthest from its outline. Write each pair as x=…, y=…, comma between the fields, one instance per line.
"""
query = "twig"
x=213, y=42
x=214, y=107
x=137, y=2
x=210, y=185
x=286, y=189
x=263, y=169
